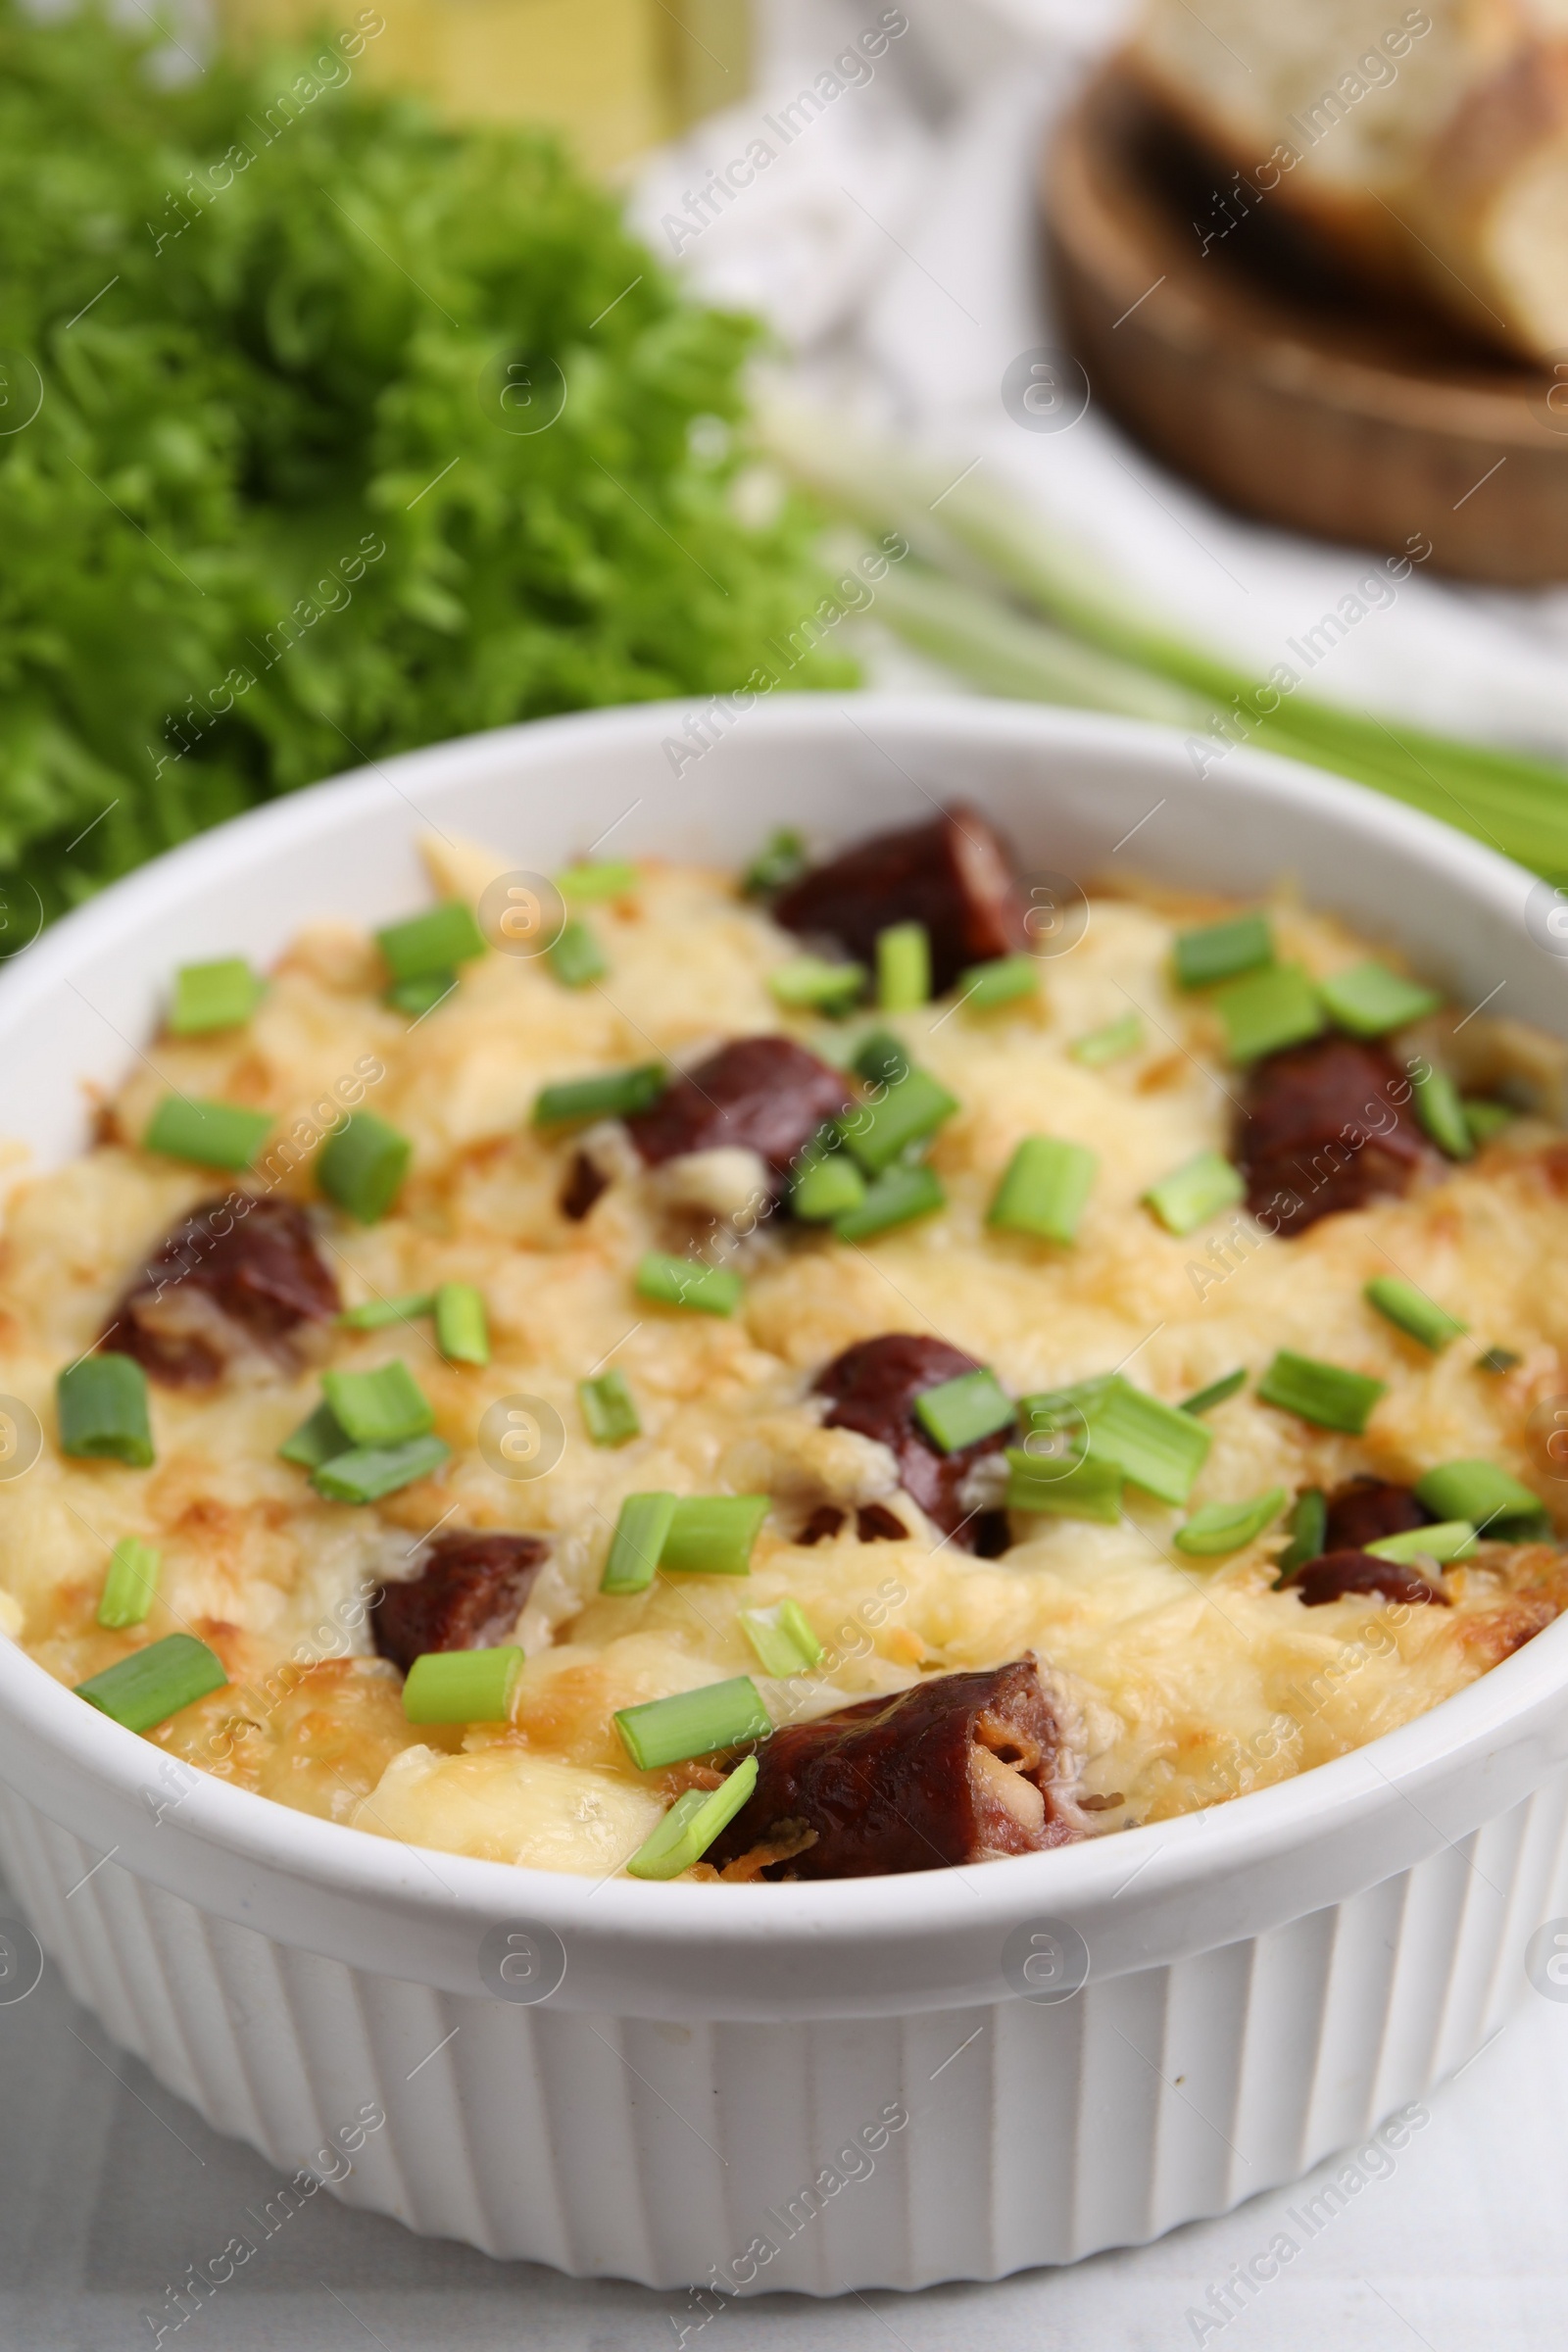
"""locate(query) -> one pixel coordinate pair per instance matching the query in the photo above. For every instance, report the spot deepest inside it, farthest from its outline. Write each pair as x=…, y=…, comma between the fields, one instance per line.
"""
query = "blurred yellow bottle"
x=616, y=75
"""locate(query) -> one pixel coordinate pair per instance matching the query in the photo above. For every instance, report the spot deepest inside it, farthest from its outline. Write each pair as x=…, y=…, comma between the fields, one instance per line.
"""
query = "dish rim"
x=1514, y=1701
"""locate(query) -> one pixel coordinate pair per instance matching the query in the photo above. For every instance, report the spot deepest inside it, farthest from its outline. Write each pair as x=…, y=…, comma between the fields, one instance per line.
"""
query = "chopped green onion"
x=363, y=1165
x=130, y=1585
x=431, y=944
x=1498, y=1359
x=781, y=860
x=609, y=1410
x=1204, y=1401
x=1325, y=1393
x=1268, y=1010
x=896, y=1197
x=380, y=1408
x=782, y=1638
x=1002, y=981
x=681, y=1282
x=1412, y=1311
x=641, y=1526
x=215, y=1135
x=374, y=1313
x=692, y=1723
x=1156, y=1446
x=793, y=1620
x=1309, y=1527
x=610, y=879
x=462, y=1331
x=1217, y=1527
x=1048, y=1409
x=902, y=967
x=1195, y=1192
x=960, y=1412
x=155, y=1683
x=320, y=1437
x=577, y=957
x=1111, y=1044
x=810, y=981
x=714, y=1535
x=1484, y=1494
x=1369, y=1000
x=607, y=1094
x=463, y=1686
x=1442, y=1113
x=880, y=1058
x=1089, y=1489
x=101, y=1407
x=418, y=997
x=1219, y=951
x=367, y=1472
x=1484, y=1119
x=1044, y=1189
x=691, y=1825
x=911, y=1110
x=826, y=1187
x=214, y=996
x=1449, y=1539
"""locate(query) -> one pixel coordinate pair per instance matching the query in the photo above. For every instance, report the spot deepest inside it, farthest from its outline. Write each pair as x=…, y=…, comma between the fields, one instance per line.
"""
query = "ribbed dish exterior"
x=825, y=2155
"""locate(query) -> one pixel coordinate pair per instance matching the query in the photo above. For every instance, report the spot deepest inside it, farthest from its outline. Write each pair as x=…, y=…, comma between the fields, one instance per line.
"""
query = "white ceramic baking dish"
x=816, y=2086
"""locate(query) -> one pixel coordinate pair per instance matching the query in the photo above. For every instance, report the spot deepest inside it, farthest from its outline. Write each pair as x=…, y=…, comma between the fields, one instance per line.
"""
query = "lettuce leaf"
x=325, y=432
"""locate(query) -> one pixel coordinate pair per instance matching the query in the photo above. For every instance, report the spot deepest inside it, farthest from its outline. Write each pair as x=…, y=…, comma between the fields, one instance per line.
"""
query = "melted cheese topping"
x=1182, y=1682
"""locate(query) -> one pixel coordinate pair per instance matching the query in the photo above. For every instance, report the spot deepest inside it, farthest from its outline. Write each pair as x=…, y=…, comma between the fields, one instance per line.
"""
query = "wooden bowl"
x=1265, y=372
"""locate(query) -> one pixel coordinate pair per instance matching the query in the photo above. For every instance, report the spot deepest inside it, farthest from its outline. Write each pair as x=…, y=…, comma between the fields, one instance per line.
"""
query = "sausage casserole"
x=789, y=1376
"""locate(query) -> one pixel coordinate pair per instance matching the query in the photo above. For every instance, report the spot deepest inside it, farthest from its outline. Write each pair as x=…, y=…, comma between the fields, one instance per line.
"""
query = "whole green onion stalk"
x=993, y=592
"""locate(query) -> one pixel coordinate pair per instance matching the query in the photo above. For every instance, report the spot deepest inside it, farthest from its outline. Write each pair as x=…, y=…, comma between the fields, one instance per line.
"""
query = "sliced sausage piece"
x=470, y=1586
x=961, y=1768
x=990, y=1534
x=583, y=1185
x=956, y=875
x=1325, y=1127
x=766, y=1094
x=874, y=1386
x=1341, y=1573
x=1365, y=1509
x=238, y=1277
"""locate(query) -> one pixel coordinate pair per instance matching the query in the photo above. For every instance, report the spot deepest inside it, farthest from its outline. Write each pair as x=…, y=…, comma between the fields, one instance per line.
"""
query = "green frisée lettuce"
x=340, y=431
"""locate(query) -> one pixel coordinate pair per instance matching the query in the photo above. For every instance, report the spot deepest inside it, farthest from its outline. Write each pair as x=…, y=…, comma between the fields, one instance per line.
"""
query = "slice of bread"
x=1491, y=205
x=1428, y=144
